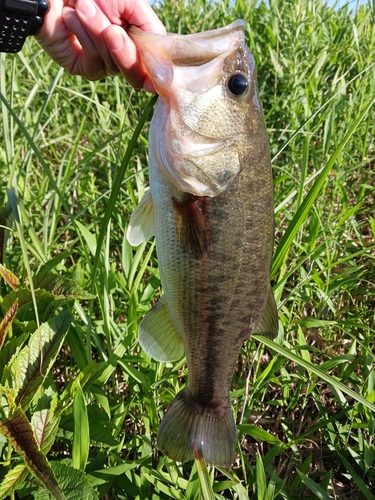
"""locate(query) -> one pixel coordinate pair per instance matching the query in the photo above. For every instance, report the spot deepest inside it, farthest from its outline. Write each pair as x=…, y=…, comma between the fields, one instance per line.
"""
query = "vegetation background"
x=80, y=402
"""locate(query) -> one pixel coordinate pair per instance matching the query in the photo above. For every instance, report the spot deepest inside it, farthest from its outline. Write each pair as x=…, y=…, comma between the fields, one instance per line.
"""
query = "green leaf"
x=259, y=433
x=117, y=470
x=24, y=297
x=81, y=436
x=45, y=422
x=18, y=429
x=357, y=479
x=89, y=237
x=163, y=488
x=35, y=360
x=312, y=486
x=204, y=479
x=101, y=428
x=260, y=478
x=9, y=277
x=59, y=285
x=7, y=322
x=13, y=480
x=6, y=219
x=73, y=483
x=270, y=493
x=9, y=350
x=47, y=286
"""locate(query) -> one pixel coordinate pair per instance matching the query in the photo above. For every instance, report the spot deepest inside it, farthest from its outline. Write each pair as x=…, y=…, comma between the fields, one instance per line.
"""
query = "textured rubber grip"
x=14, y=30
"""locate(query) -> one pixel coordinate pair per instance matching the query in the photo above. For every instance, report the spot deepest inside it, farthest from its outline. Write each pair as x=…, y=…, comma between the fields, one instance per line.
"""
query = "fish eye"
x=237, y=84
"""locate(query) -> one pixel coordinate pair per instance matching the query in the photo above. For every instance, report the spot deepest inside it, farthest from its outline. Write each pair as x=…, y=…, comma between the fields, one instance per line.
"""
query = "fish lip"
x=159, y=53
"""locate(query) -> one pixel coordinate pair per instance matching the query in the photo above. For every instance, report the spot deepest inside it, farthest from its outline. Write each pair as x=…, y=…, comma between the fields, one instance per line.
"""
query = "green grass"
x=73, y=166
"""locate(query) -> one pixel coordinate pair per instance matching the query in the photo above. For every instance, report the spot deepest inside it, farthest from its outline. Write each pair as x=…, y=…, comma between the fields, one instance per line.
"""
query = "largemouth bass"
x=210, y=207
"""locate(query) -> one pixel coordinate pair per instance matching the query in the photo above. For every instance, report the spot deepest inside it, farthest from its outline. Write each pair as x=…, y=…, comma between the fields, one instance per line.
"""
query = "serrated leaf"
x=73, y=482
x=59, y=285
x=18, y=429
x=46, y=286
x=13, y=480
x=10, y=350
x=24, y=297
x=7, y=321
x=35, y=360
x=45, y=422
x=9, y=277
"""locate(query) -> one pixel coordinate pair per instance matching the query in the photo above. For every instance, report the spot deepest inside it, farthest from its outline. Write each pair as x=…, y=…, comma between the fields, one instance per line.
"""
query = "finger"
x=55, y=38
x=88, y=61
x=94, y=22
x=124, y=54
x=127, y=12
x=141, y=14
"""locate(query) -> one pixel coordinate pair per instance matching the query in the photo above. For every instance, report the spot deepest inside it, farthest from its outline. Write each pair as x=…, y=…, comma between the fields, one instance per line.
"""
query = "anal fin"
x=158, y=336
x=141, y=226
x=269, y=322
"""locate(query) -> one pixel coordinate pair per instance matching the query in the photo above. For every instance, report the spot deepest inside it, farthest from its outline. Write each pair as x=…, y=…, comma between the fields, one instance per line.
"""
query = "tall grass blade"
x=204, y=479
x=117, y=185
x=304, y=209
x=317, y=371
x=81, y=437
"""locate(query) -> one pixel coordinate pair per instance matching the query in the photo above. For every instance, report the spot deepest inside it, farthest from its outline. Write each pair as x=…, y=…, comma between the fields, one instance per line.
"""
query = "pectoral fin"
x=141, y=226
x=191, y=229
x=157, y=335
x=269, y=323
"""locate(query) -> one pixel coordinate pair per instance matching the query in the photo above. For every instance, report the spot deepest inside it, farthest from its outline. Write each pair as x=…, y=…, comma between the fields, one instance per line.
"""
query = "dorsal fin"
x=269, y=322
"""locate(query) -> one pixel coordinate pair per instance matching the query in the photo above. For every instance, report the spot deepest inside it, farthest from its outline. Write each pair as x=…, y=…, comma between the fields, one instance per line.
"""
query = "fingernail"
x=87, y=8
x=114, y=39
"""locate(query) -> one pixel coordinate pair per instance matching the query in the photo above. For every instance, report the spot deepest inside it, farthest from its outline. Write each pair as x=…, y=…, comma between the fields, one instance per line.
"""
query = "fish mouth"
x=160, y=52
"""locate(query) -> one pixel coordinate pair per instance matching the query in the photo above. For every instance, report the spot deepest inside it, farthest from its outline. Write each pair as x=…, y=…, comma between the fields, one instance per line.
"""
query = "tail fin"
x=188, y=427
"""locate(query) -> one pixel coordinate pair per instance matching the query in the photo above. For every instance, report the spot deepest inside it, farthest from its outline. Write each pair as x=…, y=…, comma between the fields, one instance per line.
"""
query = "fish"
x=210, y=207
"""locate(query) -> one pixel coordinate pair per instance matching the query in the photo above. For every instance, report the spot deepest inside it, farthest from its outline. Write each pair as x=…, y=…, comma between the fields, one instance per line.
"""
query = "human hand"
x=89, y=39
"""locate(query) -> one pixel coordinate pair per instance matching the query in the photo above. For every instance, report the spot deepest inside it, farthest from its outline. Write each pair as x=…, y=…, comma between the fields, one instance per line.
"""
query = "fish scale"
x=211, y=211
